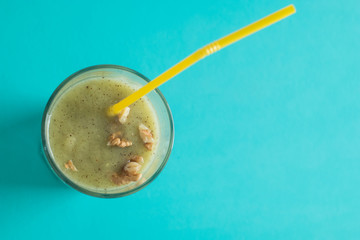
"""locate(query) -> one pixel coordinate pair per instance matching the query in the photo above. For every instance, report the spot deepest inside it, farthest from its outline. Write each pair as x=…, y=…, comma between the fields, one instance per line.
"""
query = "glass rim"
x=62, y=176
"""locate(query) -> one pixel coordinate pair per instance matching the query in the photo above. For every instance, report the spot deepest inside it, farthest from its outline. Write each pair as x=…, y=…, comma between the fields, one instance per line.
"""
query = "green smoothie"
x=96, y=151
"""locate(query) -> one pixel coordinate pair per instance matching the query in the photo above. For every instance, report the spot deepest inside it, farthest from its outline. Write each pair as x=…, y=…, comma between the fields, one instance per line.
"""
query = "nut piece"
x=113, y=136
x=130, y=172
x=149, y=146
x=132, y=168
x=146, y=136
x=123, y=179
x=122, y=116
x=70, y=165
x=115, y=140
x=135, y=177
x=124, y=143
x=137, y=159
x=116, y=179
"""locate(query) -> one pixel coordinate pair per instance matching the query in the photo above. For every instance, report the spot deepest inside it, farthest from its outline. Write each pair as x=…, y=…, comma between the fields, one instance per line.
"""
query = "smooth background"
x=267, y=130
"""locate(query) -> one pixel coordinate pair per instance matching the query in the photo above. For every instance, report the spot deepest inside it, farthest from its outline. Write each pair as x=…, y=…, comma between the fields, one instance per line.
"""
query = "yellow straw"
x=201, y=53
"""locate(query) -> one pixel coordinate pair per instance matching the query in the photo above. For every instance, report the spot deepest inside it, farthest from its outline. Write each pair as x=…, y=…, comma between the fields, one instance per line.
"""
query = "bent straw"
x=200, y=54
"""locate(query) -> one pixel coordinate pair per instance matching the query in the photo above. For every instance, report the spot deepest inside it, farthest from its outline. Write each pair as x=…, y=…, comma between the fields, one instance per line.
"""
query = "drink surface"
x=79, y=130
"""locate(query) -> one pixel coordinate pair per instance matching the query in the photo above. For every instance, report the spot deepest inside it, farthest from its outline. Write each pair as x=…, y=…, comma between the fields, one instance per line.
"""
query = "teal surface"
x=267, y=130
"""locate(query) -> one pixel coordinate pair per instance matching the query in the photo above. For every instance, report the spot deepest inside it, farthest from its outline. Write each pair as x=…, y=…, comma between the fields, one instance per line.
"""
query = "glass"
x=162, y=111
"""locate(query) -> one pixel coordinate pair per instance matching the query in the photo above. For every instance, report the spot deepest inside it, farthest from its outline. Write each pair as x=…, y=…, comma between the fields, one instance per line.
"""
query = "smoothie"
x=96, y=151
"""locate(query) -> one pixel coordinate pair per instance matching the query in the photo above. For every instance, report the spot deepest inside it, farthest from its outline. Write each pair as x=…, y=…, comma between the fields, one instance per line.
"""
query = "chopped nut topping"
x=123, y=179
x=122, y=116
x=135, y=177
x=137, y=159
x=149, y=146
x=70, y=165
x=115, y=140
x=117, y=179
x=129, y=173
x=146, y=136
x=132, y=168
x=115, y=135
x=124, y=143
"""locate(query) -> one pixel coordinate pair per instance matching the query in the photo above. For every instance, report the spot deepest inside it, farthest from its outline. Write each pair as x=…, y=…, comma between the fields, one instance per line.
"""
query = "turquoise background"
x=267, y=130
